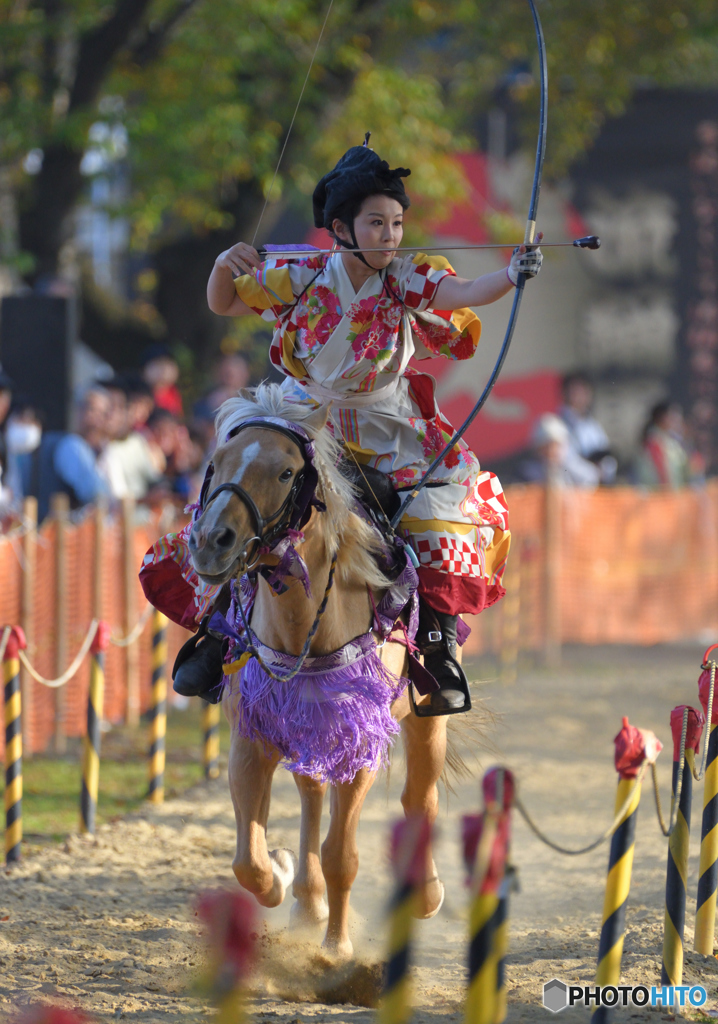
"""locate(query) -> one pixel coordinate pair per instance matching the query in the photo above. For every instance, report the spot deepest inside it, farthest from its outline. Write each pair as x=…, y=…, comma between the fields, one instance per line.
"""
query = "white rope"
x=4, y=642
x=698, y=775
x=71, y=669
x=617, y=819
x=134, y=634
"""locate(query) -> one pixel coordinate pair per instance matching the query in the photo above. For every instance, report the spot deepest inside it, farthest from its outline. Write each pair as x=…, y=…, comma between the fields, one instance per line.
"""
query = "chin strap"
x=352, y=247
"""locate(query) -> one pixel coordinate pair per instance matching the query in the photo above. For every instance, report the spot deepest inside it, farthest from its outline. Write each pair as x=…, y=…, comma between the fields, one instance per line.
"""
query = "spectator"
x=140, y=402
x=556, y=458
x=586, y=435
x=6, y=389
x=23, y=435
x=161, y=372
x=231, y=373
x=664, y=462
x=133, y=464
x=69, y=463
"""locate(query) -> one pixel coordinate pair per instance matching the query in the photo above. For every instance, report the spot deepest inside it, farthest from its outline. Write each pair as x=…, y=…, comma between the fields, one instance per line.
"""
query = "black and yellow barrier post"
x=486, y=843
x=93, y=736
x=13, y=745
x=704, y=939
x=158, y=709
x=686, y=729
x=633, y=747
x=409, y=843
x=210, y=739
x=501, y=941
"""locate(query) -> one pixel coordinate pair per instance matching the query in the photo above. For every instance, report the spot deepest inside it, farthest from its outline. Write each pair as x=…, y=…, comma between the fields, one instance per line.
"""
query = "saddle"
x=376, y=492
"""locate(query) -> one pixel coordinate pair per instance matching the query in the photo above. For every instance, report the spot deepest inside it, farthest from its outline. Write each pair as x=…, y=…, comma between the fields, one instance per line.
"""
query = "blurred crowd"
x=131, y=437
x=572, y=448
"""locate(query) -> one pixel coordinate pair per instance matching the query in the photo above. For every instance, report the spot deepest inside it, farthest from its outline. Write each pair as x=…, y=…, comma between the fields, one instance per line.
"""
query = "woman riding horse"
x=346, y=325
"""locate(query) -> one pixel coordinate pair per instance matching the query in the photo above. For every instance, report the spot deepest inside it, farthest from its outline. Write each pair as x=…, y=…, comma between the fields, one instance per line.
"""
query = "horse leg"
x=425, y=743
x=264, y=874
x=308, y=888
x=340, y=858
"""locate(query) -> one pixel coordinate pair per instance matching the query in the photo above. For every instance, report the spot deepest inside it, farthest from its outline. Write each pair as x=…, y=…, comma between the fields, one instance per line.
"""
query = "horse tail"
x=467, y=738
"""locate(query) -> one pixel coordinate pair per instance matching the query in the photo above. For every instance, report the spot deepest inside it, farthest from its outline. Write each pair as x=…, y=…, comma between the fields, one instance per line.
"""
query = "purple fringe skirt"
x=330, y=720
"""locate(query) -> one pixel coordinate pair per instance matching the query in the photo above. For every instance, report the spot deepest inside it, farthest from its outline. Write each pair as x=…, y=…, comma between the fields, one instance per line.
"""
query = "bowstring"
x=291, y=123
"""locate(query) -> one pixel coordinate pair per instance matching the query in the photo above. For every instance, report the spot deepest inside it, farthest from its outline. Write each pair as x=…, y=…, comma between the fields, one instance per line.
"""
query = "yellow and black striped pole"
x=158, y=709
x=501, y=941
x=704, y=939
x=409, y=842
x=93, y=736
x=688, y=737
x=13, y=745
x=630, y=755
x=210, y=736
x=486, y=842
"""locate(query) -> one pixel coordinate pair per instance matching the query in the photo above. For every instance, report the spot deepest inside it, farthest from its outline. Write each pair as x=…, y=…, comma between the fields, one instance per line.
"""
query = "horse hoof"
x=432, y=913
x=284, y=868
x=338, y=950
x=305, y=918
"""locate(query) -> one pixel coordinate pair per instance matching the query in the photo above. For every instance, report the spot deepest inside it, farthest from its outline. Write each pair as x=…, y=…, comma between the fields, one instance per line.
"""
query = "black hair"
x=348, y=211
x=577, y=377
x=160, y=415
x=360, y=173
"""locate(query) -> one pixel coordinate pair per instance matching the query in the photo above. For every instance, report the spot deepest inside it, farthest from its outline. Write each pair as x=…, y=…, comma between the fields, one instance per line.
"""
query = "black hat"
x=157, y=350
x=359, y=173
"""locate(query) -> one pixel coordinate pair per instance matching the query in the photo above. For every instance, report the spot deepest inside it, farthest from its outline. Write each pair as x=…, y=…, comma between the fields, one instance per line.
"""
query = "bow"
x=519, y=290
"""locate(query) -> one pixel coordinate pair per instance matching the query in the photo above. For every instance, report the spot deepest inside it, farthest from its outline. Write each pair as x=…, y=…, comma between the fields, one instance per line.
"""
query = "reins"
x=302, y=656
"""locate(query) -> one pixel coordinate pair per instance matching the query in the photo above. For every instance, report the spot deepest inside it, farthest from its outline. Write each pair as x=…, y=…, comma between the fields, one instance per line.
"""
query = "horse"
x=259, y=469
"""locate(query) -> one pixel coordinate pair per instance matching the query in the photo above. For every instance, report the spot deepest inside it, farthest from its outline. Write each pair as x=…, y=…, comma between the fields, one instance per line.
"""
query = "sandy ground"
x=108, y=924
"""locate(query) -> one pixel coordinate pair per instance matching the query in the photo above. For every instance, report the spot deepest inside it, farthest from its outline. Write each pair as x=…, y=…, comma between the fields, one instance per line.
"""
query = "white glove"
x=528, y=263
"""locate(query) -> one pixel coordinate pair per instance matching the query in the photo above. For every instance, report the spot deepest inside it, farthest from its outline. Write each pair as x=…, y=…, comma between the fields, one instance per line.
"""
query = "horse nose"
x=222, y=537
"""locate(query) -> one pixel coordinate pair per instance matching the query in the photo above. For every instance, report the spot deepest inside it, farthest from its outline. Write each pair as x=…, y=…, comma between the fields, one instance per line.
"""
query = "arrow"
x=588, y=242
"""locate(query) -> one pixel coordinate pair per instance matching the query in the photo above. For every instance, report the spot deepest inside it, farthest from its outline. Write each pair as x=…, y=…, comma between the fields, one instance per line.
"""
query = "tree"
x=205, y=92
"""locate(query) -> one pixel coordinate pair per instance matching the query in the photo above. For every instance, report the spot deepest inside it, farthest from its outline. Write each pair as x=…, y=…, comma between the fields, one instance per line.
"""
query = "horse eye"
x=286, y=475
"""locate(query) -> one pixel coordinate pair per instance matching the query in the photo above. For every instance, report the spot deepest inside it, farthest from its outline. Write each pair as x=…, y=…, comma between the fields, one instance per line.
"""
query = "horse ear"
x=247, y=394
x=317, y=420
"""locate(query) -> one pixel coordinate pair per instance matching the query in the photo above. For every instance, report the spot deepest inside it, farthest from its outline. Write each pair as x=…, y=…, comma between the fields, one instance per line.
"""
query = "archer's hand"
x=526, y=259
x=240, y=259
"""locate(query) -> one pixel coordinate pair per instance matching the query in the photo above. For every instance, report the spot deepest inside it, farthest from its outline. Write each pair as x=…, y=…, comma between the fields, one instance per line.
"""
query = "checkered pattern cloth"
x=450, y=554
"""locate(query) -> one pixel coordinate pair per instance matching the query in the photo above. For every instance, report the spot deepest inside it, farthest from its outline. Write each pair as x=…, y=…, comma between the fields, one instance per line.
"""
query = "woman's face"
x=378, y=225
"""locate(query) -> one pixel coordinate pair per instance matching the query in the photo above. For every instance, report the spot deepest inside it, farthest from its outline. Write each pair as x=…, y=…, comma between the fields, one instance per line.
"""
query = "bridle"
x=294, y=511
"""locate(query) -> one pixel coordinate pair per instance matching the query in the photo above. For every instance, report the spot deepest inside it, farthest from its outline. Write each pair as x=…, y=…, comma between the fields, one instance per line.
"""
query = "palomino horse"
x=256, y=472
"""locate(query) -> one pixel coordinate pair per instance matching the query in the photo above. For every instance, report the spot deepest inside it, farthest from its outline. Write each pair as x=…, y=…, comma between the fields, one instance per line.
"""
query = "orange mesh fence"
x=76, y=592
x=632, y=568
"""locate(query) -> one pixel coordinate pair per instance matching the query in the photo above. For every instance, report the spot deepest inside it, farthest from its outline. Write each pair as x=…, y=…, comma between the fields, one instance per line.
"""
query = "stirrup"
x=427, y=711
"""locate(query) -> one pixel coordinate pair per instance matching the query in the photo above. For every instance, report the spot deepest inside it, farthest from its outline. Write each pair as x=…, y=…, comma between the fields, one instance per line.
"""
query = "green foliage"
x=51, y=785
x=206, y=90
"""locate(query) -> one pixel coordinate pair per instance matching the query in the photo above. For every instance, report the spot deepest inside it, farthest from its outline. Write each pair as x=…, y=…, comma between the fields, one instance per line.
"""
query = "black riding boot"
x=197, y=669
x=436, y=639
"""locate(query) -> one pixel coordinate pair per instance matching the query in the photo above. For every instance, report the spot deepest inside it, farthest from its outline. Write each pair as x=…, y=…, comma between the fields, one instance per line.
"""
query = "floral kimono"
x=353, y=349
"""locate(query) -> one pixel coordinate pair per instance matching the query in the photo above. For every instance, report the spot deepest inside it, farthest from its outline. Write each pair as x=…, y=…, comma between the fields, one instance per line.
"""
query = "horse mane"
x=355, y=542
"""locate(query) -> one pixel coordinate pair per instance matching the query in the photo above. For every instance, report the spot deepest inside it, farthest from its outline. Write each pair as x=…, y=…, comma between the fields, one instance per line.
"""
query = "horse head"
x=261, y=476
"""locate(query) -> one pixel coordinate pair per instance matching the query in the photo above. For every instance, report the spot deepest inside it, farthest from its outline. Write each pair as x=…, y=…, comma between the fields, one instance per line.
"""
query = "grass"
x=51, y=784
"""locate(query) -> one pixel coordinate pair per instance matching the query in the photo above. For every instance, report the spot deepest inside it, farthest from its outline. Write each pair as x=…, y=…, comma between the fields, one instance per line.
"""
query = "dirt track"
x=108, y=925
